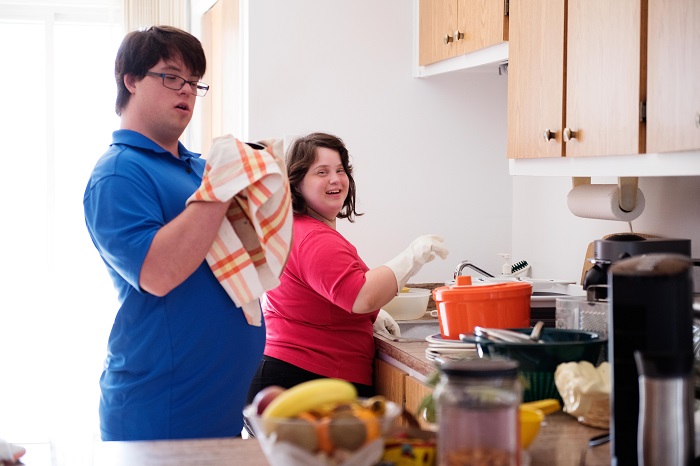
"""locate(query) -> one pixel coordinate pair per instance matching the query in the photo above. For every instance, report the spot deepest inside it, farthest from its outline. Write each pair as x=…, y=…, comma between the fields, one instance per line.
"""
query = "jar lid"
x=469, y=292
x=481, y=368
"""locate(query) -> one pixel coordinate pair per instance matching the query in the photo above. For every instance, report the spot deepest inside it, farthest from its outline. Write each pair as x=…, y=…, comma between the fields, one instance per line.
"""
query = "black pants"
x=272, y=371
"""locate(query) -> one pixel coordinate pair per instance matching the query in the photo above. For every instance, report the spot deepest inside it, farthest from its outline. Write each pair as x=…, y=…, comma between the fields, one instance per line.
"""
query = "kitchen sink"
x=419, y=328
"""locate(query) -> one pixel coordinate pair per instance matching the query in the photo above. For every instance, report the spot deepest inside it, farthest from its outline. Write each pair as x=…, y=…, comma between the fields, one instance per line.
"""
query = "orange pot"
x=463, y=306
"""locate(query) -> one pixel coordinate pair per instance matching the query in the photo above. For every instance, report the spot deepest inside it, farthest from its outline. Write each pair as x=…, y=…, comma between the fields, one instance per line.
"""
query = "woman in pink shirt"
x=320, y=319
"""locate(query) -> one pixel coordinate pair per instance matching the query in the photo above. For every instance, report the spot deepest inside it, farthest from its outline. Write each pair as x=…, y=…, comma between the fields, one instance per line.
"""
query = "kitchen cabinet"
x=389, y=381
x=575, y=80
x=416, y=391
x=673, y=64
x=400, y=387
x=449, y=28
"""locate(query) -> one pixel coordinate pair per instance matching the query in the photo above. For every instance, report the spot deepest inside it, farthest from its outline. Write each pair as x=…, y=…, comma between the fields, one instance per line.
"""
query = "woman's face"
x=325, y=185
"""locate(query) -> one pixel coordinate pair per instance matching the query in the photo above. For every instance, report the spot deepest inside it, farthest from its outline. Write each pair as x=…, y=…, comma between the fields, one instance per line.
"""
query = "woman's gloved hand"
x=386, y=324
x=422, y=250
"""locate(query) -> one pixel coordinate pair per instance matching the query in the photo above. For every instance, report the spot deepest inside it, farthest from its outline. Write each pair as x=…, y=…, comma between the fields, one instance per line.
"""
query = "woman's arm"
x=380, y=287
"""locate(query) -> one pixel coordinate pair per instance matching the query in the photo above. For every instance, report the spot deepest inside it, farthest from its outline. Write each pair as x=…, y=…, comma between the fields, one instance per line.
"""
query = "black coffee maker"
x=620, y=246
x=650, y=345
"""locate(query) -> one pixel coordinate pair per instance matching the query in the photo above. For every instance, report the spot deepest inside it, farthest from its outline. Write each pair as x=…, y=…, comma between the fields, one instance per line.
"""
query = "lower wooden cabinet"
x=415, y=392
x=397, y=386
x=390, y=382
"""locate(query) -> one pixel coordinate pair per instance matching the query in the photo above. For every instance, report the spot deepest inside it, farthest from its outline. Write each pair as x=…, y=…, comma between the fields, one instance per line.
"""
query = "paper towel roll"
x=602, y=201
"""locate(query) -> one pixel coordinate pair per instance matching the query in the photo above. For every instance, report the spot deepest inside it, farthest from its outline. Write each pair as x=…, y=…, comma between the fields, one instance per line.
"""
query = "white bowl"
x=289, y=452
x=409, y=305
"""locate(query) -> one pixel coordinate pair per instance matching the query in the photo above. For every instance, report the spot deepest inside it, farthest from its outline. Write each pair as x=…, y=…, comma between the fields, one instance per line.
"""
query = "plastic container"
x=408, y=305
x=478, y=412
x=578, y=313
x=463, y=306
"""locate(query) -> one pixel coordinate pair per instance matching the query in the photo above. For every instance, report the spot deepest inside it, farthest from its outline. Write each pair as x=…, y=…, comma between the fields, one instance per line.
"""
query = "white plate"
x=471, y=349
x=437, y=341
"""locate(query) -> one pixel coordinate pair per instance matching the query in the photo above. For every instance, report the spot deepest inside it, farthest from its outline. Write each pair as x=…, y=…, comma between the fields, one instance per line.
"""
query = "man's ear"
x=130, y=82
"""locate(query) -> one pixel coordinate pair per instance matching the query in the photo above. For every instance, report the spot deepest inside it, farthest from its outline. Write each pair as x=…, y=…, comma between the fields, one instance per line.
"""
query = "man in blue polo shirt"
x=180, y=354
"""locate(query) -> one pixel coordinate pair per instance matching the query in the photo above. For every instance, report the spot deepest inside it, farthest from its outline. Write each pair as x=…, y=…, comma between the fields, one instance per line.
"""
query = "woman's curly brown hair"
x=302, y=154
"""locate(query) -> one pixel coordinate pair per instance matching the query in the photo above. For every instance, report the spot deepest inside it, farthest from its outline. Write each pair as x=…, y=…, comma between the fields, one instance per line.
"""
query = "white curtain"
x=140, y=14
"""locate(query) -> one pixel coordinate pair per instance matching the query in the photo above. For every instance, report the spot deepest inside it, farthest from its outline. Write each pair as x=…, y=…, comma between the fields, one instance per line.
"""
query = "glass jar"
x=478, y=413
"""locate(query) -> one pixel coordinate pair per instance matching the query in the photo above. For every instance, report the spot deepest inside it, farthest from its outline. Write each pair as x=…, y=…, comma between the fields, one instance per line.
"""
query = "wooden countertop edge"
x=408, y=354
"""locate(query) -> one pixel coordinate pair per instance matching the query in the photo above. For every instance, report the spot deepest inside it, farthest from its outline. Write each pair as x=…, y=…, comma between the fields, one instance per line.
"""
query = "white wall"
x=429, y=154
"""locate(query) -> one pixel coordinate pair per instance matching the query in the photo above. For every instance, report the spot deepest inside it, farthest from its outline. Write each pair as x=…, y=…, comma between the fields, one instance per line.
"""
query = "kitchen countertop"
x=562, y=441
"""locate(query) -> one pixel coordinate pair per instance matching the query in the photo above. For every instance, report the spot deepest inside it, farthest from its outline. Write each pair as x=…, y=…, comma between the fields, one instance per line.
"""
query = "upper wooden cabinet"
x=449, y=28
x=575, y=81
x=673, y=93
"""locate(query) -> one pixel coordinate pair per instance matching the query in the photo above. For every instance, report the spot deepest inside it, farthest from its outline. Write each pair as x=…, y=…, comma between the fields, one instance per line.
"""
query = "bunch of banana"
x=310, y=395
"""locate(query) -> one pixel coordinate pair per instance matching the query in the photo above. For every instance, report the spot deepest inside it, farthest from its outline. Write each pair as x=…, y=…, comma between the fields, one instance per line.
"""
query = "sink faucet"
x=462, y=265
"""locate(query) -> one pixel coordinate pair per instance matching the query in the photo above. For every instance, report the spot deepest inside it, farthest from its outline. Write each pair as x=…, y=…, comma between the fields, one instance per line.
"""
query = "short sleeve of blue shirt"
x=133, y=192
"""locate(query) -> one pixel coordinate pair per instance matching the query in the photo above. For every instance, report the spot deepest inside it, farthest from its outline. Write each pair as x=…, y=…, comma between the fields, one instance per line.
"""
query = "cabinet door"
x=415, y=392
x=673, y=91
x=389, y=382
x=604, y=80
x=483, y=23
x=437, y=21
x=535, y=78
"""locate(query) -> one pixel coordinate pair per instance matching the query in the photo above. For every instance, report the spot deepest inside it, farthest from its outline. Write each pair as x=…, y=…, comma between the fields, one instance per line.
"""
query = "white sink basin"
x=418, y=329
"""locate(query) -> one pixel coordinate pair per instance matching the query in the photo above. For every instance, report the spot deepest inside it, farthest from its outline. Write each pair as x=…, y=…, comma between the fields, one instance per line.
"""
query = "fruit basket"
x=344, y=432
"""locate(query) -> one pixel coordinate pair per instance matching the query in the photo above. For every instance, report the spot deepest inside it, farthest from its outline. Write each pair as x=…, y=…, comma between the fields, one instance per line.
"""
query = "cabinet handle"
x=568, y=134
x=697, y=120
x=459, y=35
x=447, y=39
x=548, y=135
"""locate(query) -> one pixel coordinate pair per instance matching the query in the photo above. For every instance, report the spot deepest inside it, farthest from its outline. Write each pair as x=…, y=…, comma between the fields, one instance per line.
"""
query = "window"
x=56, y=300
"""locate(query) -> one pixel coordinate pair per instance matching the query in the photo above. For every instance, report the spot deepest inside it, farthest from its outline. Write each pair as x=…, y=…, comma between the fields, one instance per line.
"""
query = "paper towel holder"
x=626, y=187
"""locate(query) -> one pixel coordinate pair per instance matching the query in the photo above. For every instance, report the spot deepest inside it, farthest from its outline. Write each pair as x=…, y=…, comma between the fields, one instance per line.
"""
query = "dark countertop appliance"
x=616, y=247
x=650, y=346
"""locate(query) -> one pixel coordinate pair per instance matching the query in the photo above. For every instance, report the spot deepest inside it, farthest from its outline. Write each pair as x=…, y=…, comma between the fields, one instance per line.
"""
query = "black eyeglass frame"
x=197, y=88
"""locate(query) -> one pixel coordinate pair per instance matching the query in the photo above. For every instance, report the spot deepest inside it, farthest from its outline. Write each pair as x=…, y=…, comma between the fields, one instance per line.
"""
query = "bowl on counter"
x=306, y=440
x=538, y=360
x=409, y=304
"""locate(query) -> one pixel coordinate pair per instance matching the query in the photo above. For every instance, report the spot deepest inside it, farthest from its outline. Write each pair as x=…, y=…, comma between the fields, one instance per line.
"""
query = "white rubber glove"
x=386, y=324
x=422, y=250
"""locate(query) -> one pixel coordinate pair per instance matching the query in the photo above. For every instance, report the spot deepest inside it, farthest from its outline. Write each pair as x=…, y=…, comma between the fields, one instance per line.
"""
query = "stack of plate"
x=445, y=349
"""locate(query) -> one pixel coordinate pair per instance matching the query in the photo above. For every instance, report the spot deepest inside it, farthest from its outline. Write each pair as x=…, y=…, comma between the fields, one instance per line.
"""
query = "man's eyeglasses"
x=176, y=83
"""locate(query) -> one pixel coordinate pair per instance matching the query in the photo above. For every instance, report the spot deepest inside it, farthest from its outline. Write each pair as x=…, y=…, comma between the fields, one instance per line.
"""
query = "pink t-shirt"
x=309, y=316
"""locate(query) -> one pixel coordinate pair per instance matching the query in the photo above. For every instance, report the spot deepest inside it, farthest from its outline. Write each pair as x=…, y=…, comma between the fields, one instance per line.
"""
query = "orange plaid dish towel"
x=252, y=246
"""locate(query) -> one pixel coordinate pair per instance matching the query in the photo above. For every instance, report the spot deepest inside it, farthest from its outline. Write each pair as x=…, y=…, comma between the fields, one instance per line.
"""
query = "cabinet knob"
x=447, y=39
x=569, y=134
x=548, y=135
x=459, y=35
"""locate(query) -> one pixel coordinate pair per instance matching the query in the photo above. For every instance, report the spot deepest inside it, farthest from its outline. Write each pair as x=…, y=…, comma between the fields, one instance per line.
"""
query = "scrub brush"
x=519, y=267
x=515, y=269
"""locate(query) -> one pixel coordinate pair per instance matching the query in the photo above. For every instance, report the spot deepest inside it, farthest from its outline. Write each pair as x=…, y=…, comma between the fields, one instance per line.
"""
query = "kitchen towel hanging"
x=602, y=201
x=252, y=245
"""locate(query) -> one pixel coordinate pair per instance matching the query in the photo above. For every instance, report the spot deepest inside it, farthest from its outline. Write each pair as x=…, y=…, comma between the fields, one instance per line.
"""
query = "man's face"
x=159, y=112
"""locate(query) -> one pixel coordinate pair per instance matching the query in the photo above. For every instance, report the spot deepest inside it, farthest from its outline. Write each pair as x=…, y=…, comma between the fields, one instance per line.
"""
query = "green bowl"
x=538, y=361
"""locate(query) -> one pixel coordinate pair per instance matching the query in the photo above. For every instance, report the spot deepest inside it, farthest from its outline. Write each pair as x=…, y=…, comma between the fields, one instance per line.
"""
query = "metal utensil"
x=499, y=334
x=537, y=331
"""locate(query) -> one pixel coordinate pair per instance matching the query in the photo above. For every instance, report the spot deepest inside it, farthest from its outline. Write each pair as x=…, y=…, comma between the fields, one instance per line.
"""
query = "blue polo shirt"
x=177, y=366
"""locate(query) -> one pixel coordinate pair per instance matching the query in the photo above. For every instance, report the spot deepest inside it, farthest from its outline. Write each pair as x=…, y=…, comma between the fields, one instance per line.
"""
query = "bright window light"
x=57, y=302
